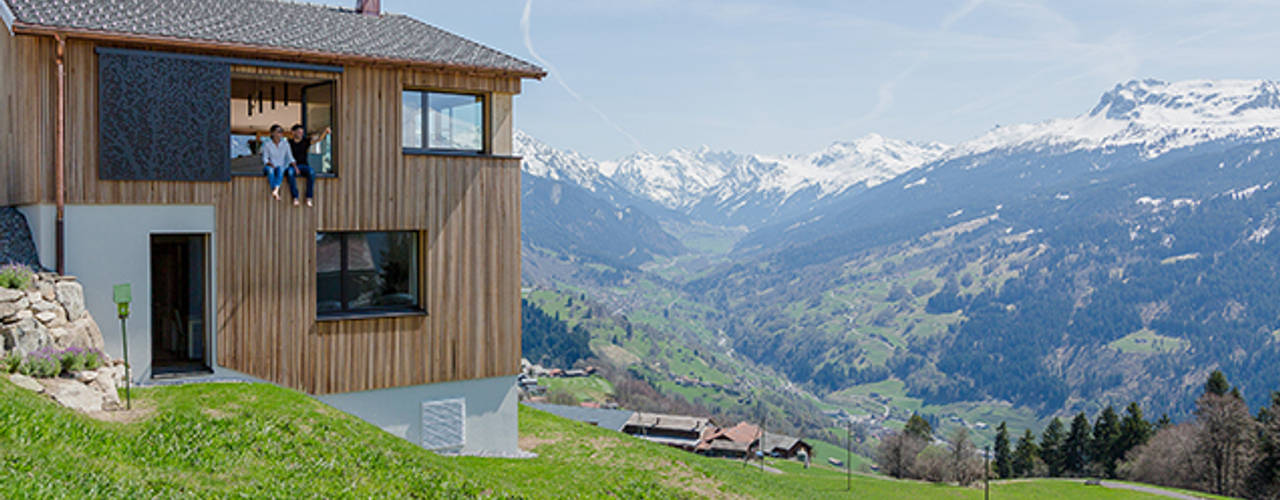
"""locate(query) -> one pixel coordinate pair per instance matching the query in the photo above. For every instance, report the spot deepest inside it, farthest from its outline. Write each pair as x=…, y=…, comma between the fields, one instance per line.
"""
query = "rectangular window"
x=451, y=121
x=258, y=102
x=367, y=273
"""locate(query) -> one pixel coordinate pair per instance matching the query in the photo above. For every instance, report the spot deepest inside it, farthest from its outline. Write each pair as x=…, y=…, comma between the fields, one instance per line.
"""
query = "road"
x=1149, y=489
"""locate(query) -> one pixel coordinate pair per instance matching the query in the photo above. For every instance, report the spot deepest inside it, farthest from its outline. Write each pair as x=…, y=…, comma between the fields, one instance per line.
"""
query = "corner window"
x=442, y=121
x=367, y=273
x=258, y=102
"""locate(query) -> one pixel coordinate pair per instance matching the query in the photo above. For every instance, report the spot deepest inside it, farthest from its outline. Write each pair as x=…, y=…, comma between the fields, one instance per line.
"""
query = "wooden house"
x=677, y=431
x=131, y=136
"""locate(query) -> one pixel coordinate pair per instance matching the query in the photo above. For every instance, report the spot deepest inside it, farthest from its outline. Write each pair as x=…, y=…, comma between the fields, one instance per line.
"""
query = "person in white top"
x=276, y=157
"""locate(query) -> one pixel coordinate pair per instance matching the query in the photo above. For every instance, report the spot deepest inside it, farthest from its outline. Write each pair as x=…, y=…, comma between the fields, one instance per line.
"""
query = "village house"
x=677, y=431
x=744, y=440
x=131, y=138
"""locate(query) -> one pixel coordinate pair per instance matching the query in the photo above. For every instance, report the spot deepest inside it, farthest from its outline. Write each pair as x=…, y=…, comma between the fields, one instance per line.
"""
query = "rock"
x=25, y=382
x=71, y=295
x=45, y=288
x=22, y=306
x=25, y=336
x=40, y=305
x=117, y=374
x=46, y=317
x=8, y=309
x=33, y=295
x=72, y=394
x=110, y=396
x=61, y=337
x=85, y=376
x=85, y=334
x=10, y=295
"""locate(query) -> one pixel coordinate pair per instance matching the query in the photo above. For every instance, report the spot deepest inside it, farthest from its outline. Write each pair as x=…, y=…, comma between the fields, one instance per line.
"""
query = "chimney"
x=369, y=7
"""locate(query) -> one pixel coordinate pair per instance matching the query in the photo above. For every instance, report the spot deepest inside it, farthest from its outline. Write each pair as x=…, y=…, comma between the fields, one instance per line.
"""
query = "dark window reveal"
x=442, y=121
x=367, y=273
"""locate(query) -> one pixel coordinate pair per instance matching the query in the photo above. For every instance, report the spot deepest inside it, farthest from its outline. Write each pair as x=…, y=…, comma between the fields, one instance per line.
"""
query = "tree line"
x=1224, y=449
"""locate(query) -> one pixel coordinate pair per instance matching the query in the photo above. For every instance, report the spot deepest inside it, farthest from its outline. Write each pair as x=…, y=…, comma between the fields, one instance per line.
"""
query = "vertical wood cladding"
x=27, y=84
x=466, y=208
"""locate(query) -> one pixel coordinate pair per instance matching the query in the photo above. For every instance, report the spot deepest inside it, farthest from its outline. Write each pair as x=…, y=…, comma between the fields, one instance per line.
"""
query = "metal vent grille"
x=443, y=424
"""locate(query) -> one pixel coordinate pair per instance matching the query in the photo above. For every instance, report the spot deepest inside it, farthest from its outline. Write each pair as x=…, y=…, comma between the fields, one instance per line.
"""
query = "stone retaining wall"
x=51, y=313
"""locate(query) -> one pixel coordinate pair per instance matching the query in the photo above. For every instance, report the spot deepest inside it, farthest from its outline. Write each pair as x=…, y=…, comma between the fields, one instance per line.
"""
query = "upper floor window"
x=451, y=121
x=258, y=102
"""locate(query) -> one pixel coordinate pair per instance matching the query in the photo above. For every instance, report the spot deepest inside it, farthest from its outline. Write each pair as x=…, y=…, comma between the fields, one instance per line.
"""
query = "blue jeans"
x=304, y=170
x=274, y=176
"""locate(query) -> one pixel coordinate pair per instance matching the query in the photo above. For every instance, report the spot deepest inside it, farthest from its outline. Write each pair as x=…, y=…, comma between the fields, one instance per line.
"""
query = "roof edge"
x=6, y=16
x=25, y=28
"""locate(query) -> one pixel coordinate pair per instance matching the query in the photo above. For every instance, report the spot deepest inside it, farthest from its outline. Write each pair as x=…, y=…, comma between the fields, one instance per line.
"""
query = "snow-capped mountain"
x=544, y=161
x=682, y=177
x=1130, y=136
x=1155, y=116
x=730, y=187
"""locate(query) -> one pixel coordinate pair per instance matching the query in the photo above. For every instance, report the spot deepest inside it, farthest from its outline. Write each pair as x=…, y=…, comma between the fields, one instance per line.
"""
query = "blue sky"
x=792, y=77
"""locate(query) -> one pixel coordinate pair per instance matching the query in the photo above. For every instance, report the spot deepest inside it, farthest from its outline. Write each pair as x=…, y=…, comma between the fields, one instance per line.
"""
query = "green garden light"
x=123, y=295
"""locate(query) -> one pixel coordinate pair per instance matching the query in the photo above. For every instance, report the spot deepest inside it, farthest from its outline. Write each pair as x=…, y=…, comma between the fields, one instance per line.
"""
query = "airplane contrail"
x=555, y=74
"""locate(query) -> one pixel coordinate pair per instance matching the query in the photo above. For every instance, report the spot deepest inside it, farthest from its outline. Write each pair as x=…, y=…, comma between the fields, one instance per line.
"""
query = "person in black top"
x=300, y=143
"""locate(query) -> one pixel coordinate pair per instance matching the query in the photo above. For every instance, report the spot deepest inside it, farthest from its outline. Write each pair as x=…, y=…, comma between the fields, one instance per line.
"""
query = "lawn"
x=1147, y=341
x=261, y=441
x=212, y=440
x=591, y=388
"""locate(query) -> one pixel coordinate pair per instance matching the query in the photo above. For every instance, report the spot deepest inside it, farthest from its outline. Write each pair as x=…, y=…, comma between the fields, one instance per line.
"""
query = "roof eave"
x=244, y=49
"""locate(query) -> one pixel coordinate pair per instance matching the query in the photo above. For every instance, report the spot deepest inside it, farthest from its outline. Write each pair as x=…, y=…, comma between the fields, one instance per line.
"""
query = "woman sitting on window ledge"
x=276, y=157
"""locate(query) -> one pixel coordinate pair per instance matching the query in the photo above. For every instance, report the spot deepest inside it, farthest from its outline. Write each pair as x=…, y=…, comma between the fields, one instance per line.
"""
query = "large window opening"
x=442, y=121
x=257, y=102
x=367, y=273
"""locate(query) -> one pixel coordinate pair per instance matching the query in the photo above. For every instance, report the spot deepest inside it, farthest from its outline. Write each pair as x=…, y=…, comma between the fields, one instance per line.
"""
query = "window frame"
x=426, y=149
x=418, y=309
x=335, y=116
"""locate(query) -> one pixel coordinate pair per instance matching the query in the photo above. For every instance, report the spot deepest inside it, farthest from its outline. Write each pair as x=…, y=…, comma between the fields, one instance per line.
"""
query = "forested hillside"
x=548, y=341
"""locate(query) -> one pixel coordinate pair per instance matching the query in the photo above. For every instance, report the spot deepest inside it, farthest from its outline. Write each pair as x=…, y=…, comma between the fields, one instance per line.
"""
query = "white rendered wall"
x=491, y=416
x=111, y=244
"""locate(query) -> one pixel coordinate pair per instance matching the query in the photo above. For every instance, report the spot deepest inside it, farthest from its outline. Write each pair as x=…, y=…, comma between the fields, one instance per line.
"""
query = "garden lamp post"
x=123, y=295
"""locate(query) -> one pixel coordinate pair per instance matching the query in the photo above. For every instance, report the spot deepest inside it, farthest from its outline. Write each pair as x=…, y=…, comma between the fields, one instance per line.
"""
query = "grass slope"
x=212, y=441
x=260, y=441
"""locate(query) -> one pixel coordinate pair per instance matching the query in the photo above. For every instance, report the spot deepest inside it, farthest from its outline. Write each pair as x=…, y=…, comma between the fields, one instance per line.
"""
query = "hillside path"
x=1150, y=490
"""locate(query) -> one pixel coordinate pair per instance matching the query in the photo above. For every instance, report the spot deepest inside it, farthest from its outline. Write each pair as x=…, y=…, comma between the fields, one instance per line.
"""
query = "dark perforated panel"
x=163, y=117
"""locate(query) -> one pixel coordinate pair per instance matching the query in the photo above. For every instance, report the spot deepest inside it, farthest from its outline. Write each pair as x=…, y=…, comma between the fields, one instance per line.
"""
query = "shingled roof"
x=274, y=24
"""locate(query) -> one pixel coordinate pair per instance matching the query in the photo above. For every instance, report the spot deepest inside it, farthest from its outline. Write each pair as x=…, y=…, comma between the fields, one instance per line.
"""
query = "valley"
x=1035, y=271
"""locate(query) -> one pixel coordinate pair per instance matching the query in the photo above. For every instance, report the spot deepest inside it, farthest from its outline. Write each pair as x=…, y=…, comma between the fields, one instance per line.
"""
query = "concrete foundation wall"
x=491, y=411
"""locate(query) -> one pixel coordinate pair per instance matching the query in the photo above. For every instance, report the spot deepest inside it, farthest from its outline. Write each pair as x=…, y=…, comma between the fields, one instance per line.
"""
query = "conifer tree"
x=1134, y=431
x=1024, y=456
x=1003, y=456
x=919, y=427
x=1075, y=450
x=1051, y=447
x=1103, y=444
x=1217, y=384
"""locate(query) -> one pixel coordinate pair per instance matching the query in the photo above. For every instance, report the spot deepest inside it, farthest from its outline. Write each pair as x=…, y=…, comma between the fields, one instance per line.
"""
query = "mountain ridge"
x=730, y=187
